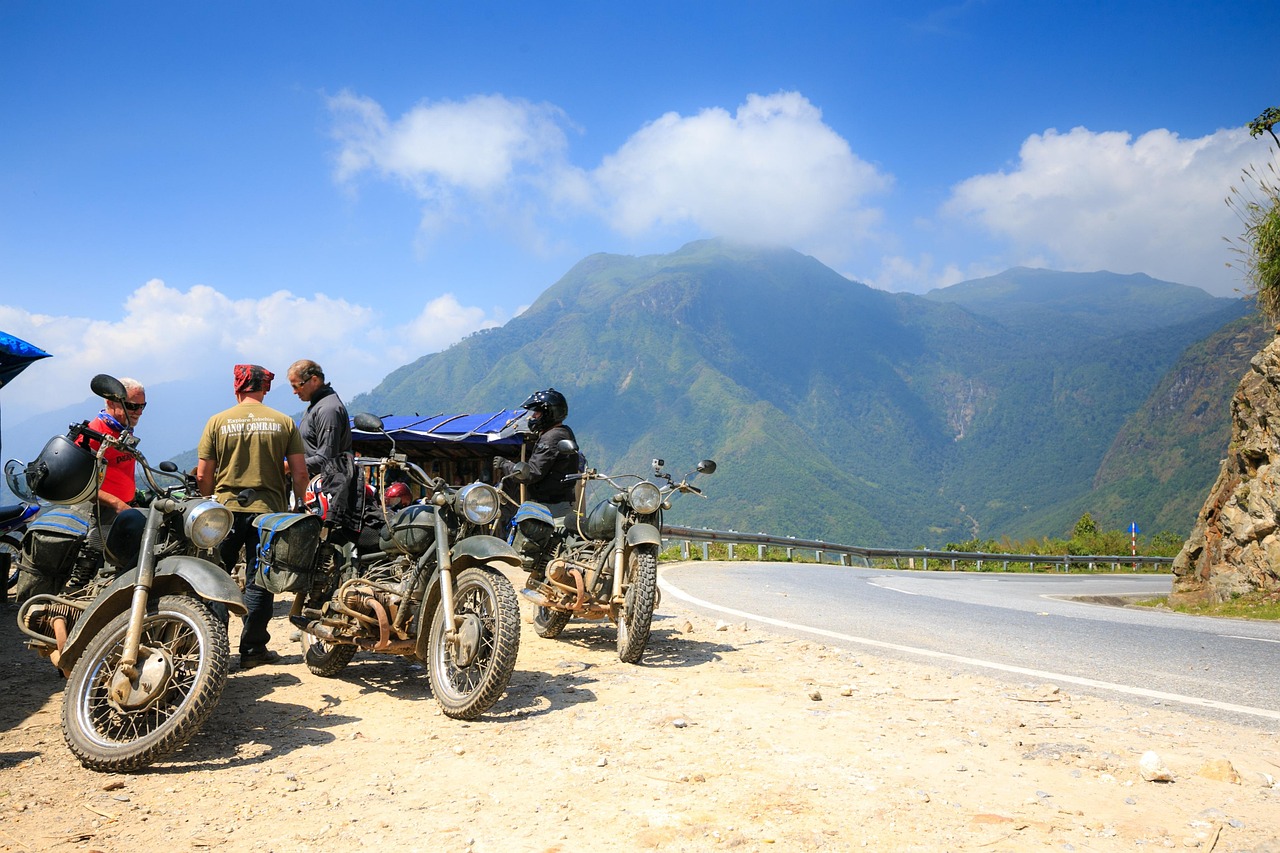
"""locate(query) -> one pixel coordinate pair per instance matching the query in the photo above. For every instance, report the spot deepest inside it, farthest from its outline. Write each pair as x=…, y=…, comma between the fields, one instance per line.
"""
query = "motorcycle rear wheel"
x=488, y=616
x=326, y=659
x=183, y=638
x=636, y=616
x=549, y=622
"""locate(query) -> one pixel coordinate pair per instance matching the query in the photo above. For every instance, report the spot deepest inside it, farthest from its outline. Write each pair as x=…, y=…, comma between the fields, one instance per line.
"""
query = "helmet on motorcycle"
x=64, y=472
x=316, y=500
x=548, y=408
x=398, y=496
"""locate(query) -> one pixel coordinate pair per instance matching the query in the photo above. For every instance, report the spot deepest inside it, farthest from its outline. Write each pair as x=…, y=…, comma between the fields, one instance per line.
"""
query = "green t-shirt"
x=248, y=444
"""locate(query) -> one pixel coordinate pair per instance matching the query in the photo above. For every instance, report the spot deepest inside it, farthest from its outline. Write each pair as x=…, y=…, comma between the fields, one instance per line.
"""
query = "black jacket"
x=326, y=440
x=547, y=467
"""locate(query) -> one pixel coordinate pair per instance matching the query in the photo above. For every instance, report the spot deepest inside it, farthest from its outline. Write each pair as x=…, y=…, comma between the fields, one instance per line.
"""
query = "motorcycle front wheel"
x=182, y=668
x=469, y=675
x=636, y=616
x=11, y=545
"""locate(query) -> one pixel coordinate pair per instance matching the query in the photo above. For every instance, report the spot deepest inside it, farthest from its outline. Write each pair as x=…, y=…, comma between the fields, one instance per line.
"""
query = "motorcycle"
x=13, y=523
x=426, y=584
x=604, y=563
x=144, y=644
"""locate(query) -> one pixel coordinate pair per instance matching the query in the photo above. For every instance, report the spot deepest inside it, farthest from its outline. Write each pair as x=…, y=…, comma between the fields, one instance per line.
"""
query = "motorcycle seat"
x=12, y=513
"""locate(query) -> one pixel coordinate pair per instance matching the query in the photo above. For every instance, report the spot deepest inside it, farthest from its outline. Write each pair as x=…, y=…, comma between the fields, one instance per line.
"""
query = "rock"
x=687, y=627
x=1152, y=769
x=847, y=690
x=1234, y=547
x=1220, y=769
x=815, y=695
x=722, y=626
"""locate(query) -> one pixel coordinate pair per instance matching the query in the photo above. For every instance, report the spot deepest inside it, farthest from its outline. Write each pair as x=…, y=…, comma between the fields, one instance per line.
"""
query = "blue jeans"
x=243, y=539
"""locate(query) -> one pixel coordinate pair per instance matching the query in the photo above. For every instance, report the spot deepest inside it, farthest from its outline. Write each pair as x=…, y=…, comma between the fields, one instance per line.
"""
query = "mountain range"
x=1003, y=406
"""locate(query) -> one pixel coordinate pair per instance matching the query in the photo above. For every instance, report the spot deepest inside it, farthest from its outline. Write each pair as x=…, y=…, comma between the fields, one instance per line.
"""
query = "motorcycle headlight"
x=207, y=523
x=479, y=503
x=644, y=498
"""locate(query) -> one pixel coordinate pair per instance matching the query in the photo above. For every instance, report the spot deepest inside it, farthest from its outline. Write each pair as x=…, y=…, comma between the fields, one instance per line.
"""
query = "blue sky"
x=364, y=183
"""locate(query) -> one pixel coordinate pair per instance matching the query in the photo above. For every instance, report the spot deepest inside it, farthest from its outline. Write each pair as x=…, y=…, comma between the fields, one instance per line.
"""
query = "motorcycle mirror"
x=108, y=388
x=246, y=496
x=168, y=467
x=566, y=446
x=367, y=422
x=520, y=472
x=707, y=466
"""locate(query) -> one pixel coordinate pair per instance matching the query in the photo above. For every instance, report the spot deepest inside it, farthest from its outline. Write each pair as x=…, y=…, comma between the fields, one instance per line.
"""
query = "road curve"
x=1037, y=626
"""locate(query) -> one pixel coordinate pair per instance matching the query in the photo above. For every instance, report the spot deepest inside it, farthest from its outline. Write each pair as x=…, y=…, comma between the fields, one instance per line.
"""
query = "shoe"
x=257, y=657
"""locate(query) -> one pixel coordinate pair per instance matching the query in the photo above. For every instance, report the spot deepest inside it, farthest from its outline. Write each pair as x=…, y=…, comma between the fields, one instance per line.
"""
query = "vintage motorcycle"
x=144, y=644
x=603, y=563
x=427, y=584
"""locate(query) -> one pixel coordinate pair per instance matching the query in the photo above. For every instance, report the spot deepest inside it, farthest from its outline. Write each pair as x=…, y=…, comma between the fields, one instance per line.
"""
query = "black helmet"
x=549, y=408
x=64, y=472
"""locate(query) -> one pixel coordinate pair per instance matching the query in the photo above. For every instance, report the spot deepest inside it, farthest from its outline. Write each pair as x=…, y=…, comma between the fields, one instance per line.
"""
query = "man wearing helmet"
x=546, y=469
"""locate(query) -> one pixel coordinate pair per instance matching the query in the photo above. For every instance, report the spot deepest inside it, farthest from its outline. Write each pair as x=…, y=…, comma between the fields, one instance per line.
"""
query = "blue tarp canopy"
x=15, y=355
x=458, y=436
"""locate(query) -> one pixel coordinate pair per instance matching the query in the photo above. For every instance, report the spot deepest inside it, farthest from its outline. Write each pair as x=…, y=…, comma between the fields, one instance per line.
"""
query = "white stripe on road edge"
x=671, y=589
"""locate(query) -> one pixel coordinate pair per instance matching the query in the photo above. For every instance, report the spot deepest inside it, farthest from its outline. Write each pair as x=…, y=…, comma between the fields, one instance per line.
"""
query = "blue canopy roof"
x=15, y=355
x=486, y=428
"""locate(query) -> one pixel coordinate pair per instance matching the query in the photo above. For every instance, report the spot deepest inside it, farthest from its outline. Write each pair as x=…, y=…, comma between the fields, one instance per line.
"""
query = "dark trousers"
x=243, y=540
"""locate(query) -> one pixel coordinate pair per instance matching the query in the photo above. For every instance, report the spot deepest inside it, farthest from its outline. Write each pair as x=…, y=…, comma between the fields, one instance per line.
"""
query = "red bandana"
x=252, y=377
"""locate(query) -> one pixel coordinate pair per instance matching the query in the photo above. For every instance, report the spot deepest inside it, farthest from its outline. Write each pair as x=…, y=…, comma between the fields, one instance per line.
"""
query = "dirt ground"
x=726, y=737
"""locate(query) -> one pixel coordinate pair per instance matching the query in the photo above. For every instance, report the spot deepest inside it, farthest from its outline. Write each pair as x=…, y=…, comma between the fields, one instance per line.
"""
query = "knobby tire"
x=466, y=692
x=111, y=739
x=640, y=588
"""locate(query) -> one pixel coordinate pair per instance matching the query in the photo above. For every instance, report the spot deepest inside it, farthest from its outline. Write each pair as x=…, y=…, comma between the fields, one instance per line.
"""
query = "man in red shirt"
x=118, y=486
x=81, y=527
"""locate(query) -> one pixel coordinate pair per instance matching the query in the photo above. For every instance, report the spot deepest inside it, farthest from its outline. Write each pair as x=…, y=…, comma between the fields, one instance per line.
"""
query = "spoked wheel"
x=549, y=622
x=468, y=675
x=11, y=545
x=117, y=724
x=325, y=659
x=641, y=588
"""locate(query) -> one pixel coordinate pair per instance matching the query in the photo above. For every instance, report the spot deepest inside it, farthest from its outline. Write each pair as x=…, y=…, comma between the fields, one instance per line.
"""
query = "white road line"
x=1255, y=639
x=669, y=589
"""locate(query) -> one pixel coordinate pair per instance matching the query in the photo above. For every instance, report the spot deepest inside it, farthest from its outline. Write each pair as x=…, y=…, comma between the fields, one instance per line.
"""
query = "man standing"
x=245, y=447
x=326, y=440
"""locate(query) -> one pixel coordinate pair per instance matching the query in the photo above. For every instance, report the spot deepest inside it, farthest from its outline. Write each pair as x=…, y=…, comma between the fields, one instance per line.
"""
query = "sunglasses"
x=134, y=407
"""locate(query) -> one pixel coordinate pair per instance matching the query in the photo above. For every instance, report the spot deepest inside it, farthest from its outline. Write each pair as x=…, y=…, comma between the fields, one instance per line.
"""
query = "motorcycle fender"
x=205, y=579
x=643, y=534
x=430, y=602
x=483, y=550
x=180, y=575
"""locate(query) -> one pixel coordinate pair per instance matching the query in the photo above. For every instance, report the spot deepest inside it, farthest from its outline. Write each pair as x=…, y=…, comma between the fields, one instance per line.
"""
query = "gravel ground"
x=727, y=736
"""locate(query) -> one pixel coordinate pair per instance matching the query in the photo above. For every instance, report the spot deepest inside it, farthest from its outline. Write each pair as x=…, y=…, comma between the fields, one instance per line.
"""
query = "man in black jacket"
x=326, y=435
x=546, y=468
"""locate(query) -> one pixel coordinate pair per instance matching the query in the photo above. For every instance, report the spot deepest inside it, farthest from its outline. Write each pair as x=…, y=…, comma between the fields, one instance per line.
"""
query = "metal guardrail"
x=845, y=554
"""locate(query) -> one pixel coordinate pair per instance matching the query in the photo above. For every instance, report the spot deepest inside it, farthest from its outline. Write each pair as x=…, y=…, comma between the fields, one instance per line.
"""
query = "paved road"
x=1027, y=626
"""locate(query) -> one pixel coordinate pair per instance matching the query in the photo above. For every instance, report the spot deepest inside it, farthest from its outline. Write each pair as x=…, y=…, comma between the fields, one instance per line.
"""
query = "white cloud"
x=487, y=154
x=1087, y=201
x=196, y=335
x=772, y=171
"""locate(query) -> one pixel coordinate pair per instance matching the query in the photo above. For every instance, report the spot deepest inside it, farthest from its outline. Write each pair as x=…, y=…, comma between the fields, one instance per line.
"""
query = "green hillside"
x=836, y=411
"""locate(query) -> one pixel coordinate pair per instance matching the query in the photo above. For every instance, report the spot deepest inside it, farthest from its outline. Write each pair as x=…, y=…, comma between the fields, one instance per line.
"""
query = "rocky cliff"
x=1235, y=546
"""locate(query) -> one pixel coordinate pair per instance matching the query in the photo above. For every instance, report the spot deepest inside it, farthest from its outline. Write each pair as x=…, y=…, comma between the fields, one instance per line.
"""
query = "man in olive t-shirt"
x=244, y=447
